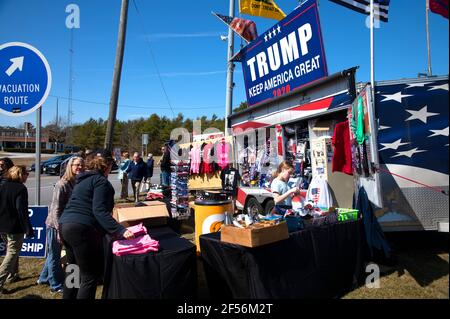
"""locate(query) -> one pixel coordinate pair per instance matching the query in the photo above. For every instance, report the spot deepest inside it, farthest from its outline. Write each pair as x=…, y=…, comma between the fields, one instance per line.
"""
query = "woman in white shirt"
x=282, y=195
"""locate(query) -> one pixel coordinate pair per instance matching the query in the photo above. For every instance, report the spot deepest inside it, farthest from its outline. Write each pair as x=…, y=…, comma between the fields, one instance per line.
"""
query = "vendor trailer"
x=406, y=139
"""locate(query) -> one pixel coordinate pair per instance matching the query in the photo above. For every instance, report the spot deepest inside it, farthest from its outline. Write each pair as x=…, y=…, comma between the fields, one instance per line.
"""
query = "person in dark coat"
x=14, y=219
x=150, y=167
x=137, y=171
x=5, y=164
x=165, y=166
x=85, y=220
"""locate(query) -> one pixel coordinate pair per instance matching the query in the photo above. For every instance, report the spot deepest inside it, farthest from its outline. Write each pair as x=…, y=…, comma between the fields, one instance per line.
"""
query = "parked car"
x=49, y=161
x=54, y=167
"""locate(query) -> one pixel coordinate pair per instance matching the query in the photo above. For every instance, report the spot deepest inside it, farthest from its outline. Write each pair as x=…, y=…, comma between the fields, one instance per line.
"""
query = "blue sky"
x=185, y=42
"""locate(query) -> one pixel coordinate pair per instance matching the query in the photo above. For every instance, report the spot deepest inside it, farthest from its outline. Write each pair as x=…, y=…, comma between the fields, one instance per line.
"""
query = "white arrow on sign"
x=17, y=63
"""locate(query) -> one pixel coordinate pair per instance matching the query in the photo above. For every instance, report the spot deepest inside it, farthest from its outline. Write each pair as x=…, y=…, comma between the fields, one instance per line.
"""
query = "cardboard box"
x=152, y=213
x=254, y=237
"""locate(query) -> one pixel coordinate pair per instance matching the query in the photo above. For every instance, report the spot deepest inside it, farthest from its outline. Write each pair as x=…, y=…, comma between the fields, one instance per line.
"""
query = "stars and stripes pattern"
x=246, y=29
x=381, y=7
x=413, y=124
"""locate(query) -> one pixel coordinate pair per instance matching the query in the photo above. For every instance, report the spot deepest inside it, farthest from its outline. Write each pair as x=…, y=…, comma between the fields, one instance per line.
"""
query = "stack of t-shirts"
x=141, y=244
x=154, y=195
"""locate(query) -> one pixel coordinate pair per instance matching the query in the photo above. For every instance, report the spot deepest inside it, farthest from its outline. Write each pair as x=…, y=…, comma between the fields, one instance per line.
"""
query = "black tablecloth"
x=321, y=262
x=170, y=273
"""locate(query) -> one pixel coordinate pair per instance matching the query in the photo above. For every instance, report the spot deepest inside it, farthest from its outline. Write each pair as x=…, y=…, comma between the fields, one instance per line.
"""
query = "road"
x=48, y=181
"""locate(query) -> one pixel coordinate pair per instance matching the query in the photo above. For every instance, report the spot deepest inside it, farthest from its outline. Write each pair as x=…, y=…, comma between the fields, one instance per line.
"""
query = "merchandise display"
x=342, y=155
x=179, y=203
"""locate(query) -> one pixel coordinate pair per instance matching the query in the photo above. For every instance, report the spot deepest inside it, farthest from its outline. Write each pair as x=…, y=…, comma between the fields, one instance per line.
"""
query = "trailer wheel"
x=253, y=207
x=269, y=207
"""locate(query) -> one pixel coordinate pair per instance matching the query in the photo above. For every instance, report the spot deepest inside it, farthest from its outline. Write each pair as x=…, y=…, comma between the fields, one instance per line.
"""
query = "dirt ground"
x=420, y=270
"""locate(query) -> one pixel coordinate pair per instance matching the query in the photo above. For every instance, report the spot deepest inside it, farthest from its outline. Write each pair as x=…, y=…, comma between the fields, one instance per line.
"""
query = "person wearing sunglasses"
x=52, y=273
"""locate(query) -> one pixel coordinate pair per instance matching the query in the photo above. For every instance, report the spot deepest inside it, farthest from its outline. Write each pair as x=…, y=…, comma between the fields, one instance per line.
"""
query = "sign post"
x=144, y=142
x=25, y=82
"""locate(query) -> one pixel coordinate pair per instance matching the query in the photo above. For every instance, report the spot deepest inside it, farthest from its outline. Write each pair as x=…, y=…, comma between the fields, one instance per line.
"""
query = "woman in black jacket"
x=14, y=219
x=84, y=222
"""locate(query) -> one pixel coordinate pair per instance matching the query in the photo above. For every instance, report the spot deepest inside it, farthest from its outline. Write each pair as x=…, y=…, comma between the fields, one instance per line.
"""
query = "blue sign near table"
x=25, y=79
x=286, y=57
x=35, y=247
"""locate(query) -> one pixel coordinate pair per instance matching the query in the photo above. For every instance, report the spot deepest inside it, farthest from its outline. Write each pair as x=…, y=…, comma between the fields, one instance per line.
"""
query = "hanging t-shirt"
x=195, y=158
x=230, y=178
x=360, y=135
x=342, y=155
x=319, y=193
x=223, y=153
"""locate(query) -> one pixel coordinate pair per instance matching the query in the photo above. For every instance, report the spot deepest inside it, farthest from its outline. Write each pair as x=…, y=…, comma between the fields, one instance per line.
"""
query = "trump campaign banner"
x=286, y=57
x=34, y=247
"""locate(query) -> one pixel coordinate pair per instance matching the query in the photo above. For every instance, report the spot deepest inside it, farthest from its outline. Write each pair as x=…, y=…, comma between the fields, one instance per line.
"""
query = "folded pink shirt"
x=138, y=230
x=141, y=244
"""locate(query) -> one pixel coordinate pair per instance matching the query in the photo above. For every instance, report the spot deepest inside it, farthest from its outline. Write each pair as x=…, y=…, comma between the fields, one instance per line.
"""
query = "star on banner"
x=382, y=127
x=422, y=114
x=415, y=85
x=395, y=97
x=437, y=87
x=443, y=132
x=393, y=146
x=409, y=153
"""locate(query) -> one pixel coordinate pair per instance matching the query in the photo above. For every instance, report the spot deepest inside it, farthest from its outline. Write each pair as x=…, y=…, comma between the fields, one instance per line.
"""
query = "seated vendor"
x=282, y=195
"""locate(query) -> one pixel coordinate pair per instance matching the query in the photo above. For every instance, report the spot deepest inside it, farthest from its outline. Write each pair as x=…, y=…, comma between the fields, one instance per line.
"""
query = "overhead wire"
x=149, y=107
x=153, y=57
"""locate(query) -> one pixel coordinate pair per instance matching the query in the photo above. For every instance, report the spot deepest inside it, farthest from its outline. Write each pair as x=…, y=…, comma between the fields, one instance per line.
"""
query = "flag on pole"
x=246, y=29
x=381, y=7
x=439, y=7
x=261, y=8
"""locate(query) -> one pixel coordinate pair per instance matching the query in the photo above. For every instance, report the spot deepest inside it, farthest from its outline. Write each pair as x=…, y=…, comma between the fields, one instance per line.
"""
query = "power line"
x=140, y=106
x=153, y=57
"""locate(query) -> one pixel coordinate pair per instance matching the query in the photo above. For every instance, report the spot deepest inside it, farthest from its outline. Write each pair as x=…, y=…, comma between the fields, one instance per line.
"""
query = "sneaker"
x=41, y=282
x=12, y=278
x=56, y=291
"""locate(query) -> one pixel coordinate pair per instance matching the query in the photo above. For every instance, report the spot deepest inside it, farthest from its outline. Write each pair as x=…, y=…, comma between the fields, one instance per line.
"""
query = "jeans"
x=52, y=272
x=165, y=178
x=13, y=246
x=84, y=247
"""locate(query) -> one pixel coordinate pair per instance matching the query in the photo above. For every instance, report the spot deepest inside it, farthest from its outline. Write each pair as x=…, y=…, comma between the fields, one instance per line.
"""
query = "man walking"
x=137, y=171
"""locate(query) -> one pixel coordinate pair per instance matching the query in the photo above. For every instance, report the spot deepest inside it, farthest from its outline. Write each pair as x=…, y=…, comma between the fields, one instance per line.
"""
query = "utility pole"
x=56, y=128
x=116, y=78
x=230, y=69
x=69, y=106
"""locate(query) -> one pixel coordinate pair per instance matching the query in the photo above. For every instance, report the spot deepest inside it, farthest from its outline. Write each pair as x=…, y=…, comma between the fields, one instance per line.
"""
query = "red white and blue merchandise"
x=319, y=192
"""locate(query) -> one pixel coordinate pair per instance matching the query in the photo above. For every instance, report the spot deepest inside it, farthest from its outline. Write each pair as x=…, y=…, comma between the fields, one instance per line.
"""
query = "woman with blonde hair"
x=14, y=219
x=282, y=195
x=52, y=273
x=85, y=221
